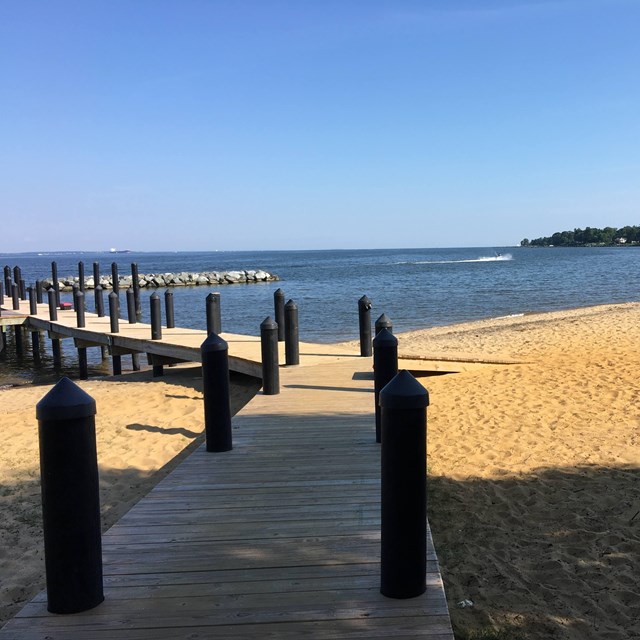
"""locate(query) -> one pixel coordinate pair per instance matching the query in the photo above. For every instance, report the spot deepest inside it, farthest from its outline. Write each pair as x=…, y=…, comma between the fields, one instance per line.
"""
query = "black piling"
x=70, y=499
x=156, y=317
x=364, y=319
x=385, y=368
x=291, y=339
x=35, y=335
x=135, y=283
x=17, y=336
x=99, y=301
x=96, y=274
x=53, y=316
x=403, y=557
x=15, y=296
x=215, y=386
x=214, y=318
x=1, y=294
x=278, y=304
x=17, y=274
x=113, y=312
x=23, y=289
x=168, y=307
x=269, y=350
x=131, y=307
x=80, y=322
x=39, y=292
x=81, y=281
x=7, y=278
x=115, y=279
x=74, y=295
x=56, y=284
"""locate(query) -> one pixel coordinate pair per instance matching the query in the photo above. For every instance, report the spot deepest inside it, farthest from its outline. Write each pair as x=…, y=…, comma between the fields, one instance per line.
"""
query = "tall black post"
x=17, y=274
x=215, y=386
x=53, y=316
x=1, y=293
x=278, y=304
x=81, y=282
x=96, y=274
x=7, y=278
x=270, y=363
x=156, y=317
x=168, y=306
x=214, y=319
x=56, y=284
x=364, y=317
x=135, y=282
x=70, y=499
x=99, y=300
x=33, y=303
x=35, y=335
x=385, y=368
x=80, y=322
x=383, y=322
x=23, y=289
x=403, y=557
x=291, y=340
x=115, y=279
x=131, y=306
x=113, y=312
x=39, y=294
x=15, y=296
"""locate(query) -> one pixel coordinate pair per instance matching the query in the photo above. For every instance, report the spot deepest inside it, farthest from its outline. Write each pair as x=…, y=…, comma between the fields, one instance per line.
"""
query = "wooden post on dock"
x=53, y=315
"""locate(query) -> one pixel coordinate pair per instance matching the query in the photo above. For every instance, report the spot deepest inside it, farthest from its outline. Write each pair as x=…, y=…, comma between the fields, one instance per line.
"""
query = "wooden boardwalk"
x=278, y=538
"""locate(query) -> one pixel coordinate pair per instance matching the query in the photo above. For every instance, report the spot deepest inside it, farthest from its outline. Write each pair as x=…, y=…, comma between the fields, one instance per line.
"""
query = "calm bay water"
x=416, y=288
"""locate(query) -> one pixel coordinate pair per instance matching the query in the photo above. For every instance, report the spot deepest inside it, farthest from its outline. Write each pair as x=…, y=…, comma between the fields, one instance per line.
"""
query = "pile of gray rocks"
x=183, y=279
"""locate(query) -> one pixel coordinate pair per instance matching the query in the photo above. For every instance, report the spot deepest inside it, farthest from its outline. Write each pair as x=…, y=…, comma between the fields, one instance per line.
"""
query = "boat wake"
x=497, y=258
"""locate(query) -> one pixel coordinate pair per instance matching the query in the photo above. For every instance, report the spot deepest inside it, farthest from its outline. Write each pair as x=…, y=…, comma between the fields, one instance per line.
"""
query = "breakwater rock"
x=161, y=280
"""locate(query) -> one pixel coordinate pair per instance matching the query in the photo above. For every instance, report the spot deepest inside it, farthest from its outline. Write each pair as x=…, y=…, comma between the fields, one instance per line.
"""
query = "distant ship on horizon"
x=112, y=250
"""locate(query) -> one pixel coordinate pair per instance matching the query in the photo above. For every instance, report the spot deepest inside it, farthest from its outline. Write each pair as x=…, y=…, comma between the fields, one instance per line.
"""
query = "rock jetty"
x=161, y=280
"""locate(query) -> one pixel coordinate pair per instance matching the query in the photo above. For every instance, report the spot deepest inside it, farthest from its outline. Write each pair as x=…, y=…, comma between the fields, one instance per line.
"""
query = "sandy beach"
x=533, y=470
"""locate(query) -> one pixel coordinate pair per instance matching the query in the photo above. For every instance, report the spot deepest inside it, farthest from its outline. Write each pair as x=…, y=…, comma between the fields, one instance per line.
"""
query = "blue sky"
x=282, y=124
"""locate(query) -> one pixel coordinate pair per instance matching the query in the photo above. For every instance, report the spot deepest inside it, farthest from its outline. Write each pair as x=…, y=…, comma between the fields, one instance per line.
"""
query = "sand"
x=534, y=497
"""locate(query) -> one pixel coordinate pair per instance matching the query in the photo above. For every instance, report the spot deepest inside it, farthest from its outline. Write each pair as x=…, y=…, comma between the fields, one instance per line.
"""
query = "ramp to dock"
x=278, y=538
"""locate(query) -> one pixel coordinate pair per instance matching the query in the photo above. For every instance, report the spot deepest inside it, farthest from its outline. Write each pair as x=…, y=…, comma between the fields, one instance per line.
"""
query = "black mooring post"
x=291, y=340
x=278, y=304
x=39, y=292
x=53, y=315
x=131, y=306
x=269, y=350
x=79, y=300
x=113, y=312
x=15, y=296
x=215, y=385
x=214, y=318
x=17, y=335
x=56, y=284
x=168, y=307
x=17, y=274
x=383, y=322
x=23, y=289
x=135, y=283
x=116, y=364
x=53, y=309
x=7, y=278
x=99, y=301
x=1, y=293
x=403, y=557
x=156, y=317
x=385, y=368
x=115, y=281
x=81, y=282
x=80, y=322
x=364, y=318
x=70, y=499
x=33, y=303
x=35, y=336
x=96, y=274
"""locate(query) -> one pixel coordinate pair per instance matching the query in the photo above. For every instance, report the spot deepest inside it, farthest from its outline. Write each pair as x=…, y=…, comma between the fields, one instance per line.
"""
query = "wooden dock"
x=278, y=538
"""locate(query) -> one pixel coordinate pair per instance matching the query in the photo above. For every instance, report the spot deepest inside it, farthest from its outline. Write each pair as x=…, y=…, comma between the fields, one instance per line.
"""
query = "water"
x=416, y=288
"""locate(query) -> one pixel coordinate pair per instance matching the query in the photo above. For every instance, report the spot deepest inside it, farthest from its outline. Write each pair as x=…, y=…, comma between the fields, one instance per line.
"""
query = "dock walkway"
x=278, y=538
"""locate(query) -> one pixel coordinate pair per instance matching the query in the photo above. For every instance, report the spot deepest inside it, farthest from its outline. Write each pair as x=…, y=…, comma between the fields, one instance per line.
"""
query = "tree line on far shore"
x=588, y=237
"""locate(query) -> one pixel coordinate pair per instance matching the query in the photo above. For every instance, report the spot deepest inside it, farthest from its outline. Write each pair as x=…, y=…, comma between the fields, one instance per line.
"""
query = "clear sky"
x=282, y=124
